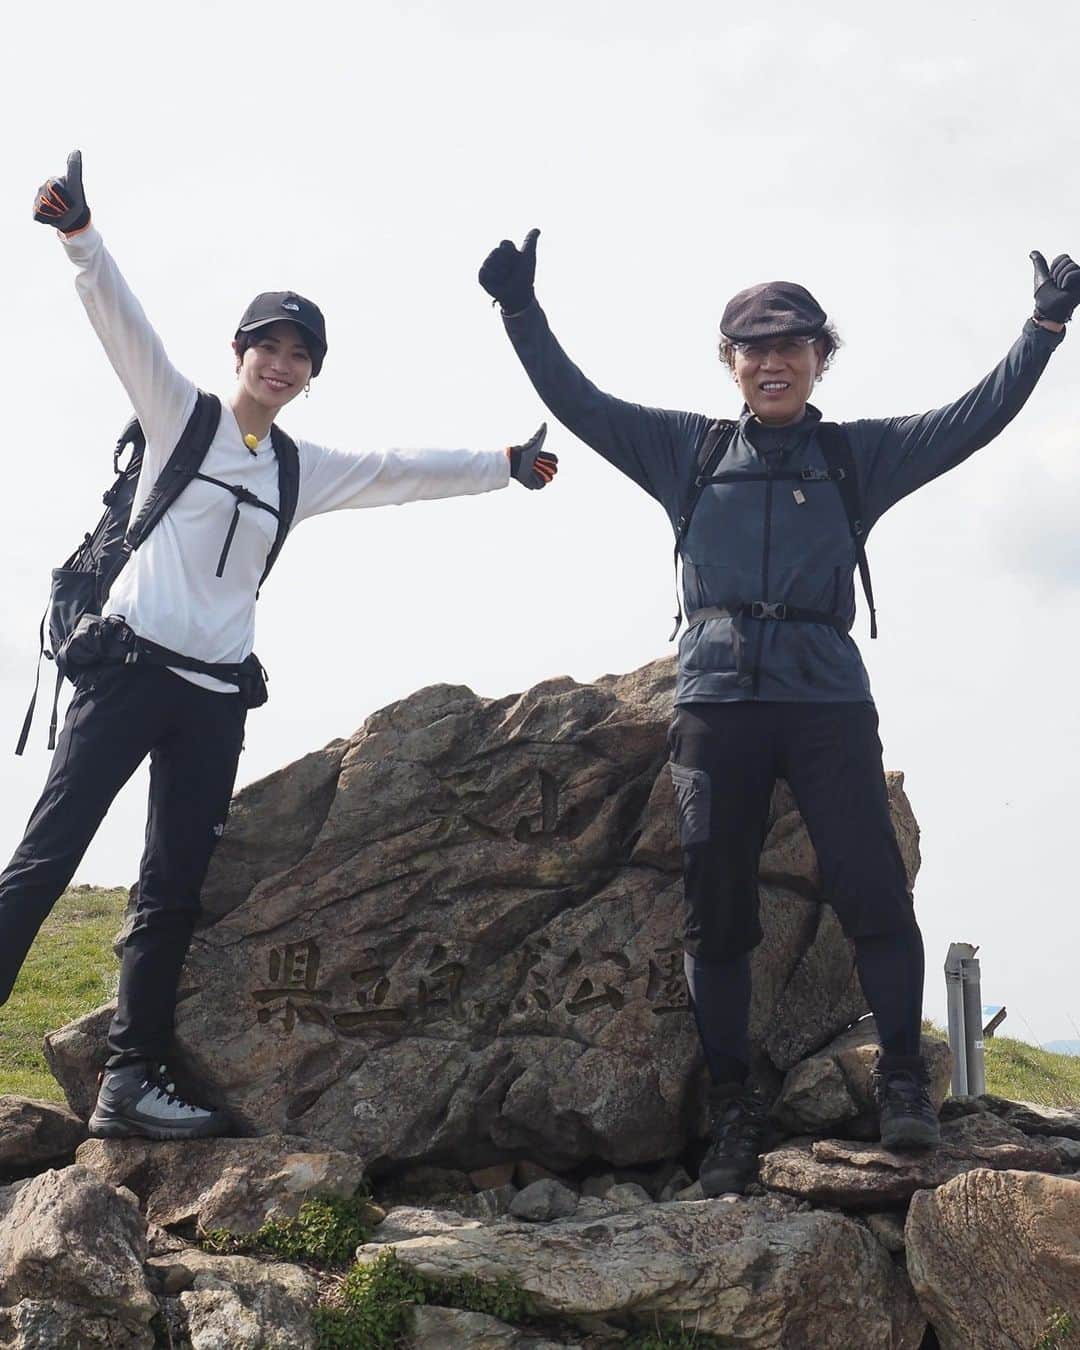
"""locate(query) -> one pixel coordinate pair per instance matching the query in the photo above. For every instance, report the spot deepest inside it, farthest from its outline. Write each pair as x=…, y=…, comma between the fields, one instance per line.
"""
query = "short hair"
x=828, y=335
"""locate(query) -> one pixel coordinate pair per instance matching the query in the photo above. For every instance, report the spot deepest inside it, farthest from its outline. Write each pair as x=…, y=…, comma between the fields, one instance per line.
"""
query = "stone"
x=71, y=1238
x=856, y=1175
x=759, y=1273
x=526, y=1172
x=236, y=1184
x=543, y=1201
x=237, y=1303
x=430, y=1183
x=490, y=1178
x=441, y=1328
x=489, y=1204
x=483, y=896
x=675, y=1185
x=35, y=1135
x=830, y=1091
x=628, y=1195
x=408, y=1221
x=1059, y=1121
x=54, y=1324
x=598, y=1185
x=1068, y=1150
x=888, y=1228
x=691, y=1193
x=994, y=1258
x=76, y=1054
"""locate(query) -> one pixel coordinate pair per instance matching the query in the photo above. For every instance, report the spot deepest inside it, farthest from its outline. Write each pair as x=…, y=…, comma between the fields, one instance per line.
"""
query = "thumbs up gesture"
x=61, y=201
x=507, y=273
x=1057, y=287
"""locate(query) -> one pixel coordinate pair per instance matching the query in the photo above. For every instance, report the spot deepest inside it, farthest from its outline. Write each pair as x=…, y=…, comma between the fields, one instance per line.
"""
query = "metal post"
x=973, y=1037
x=954, y=989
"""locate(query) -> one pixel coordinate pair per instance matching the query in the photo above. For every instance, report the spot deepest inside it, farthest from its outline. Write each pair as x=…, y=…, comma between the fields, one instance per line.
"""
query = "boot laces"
x=160, y=1082
x=904, y=1089
x=738, y=1121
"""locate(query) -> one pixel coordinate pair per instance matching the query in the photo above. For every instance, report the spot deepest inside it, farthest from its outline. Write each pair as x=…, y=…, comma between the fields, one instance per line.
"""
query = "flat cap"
x=770, y=310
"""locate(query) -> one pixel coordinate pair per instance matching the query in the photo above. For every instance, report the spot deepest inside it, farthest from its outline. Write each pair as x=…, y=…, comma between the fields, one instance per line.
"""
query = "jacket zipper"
x=764, y=579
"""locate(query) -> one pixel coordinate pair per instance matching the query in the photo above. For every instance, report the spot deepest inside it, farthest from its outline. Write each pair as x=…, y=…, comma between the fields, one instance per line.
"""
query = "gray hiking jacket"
x=755, y=540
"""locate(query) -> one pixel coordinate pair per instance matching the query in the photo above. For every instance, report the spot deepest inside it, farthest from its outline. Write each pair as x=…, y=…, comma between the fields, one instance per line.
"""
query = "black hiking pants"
x=118, y=715
x=726, y=758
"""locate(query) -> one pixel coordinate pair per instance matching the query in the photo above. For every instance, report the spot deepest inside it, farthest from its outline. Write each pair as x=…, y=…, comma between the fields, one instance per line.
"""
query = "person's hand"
x=61, y=202
x=507, y=273
x=1057, y=287
x=532, y=465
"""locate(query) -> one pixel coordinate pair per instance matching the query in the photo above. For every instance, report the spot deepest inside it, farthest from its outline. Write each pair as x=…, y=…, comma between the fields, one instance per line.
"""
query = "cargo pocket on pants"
x=692, y=801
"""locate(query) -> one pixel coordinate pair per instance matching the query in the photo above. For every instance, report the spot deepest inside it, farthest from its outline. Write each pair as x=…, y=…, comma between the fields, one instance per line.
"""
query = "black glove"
x=530, y=465
x=508, y=272
x=1057, y=287
x=60, y=201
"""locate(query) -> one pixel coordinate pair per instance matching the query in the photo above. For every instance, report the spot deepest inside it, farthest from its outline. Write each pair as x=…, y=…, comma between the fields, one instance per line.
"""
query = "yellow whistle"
x=251, y=441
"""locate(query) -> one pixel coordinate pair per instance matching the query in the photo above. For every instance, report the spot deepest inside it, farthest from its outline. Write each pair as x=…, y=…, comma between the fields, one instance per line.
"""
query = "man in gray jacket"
x=770, y=517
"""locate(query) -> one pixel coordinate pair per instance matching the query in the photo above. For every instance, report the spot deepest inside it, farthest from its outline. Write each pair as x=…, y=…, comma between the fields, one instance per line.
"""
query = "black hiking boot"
x=737, y=1123
x=140, y=1101
x=908, y=1118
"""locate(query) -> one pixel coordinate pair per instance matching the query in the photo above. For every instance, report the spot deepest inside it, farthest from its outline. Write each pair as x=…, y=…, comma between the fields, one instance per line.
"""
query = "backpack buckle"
x=768, y=609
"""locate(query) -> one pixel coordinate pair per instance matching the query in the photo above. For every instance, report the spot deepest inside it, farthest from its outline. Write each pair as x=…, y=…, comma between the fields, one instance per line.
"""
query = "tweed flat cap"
x=770, y=310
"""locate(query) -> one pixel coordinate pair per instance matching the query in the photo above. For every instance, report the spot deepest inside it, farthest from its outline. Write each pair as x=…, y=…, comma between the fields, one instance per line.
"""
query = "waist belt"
x=142, y=649
x=767, y=609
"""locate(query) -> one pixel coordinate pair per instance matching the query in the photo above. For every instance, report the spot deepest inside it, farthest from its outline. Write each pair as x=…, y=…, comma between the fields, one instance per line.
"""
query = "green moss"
x=71, y=969
x=326, y=1232
x=374, y=1305
x=668, y=1336
x=1059, y=1324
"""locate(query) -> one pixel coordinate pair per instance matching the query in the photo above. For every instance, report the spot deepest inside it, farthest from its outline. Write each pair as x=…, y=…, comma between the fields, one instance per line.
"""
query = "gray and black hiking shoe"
x=737, y=1124
x=908, y=1118
x=140, y=1101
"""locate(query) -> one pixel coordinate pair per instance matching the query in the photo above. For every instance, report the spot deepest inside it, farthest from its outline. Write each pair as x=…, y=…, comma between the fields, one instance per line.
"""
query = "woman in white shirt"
x=185, y=600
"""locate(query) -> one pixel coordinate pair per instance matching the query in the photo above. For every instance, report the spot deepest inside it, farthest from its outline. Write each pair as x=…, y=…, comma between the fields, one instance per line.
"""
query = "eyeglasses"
x=786, y=348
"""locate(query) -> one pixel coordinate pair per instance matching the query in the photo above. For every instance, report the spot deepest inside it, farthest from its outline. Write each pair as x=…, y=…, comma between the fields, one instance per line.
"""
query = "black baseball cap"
x=288, y=307
x=770, y=310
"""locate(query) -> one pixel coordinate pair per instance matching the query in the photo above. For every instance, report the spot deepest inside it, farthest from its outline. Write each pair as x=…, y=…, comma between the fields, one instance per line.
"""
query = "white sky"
x=901, y=161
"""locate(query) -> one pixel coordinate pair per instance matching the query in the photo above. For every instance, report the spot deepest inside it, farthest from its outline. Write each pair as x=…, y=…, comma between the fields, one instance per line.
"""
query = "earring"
x=307, y=389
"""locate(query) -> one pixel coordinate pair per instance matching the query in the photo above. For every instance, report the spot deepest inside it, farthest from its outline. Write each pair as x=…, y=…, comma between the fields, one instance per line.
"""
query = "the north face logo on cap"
x=290, y=304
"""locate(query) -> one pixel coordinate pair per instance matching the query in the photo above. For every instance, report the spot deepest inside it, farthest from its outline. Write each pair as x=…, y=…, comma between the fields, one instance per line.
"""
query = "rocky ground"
x=438, y=988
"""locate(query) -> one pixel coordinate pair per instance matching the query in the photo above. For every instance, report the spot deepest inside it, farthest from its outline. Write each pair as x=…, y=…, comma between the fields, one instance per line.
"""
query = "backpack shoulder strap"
x=712, y=449
x=836, y=448
x=180, y=468
x=288, y=464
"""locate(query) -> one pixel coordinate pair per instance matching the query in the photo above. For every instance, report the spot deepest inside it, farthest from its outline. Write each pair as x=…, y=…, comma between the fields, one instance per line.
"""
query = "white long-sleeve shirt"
x=168, y=592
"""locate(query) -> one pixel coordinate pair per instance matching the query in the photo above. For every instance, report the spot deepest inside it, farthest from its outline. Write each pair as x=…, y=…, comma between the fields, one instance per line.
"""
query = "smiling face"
x=777, y=375
x=275, y=366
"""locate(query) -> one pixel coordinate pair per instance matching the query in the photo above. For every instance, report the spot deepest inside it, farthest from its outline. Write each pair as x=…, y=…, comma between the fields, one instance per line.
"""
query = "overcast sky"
x=900, y=161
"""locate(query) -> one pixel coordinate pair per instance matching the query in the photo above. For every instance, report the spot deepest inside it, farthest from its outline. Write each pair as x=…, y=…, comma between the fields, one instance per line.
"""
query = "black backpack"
x=836, y=450
x=82, y=584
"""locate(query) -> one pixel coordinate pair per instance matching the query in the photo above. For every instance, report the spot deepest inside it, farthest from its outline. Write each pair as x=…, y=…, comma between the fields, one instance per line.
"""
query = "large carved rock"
x=759, y=1273
x=460, y=941
x=236, y=1184
x=73, y=1241
x=867, y=1176
x=995, y=1260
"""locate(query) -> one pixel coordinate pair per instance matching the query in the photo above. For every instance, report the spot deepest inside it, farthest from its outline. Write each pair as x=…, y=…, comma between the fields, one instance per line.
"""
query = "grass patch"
x=373, y=1307
x=326, y=1232
x=70, y=970
x=1026, y=1073
x=1023, y=1072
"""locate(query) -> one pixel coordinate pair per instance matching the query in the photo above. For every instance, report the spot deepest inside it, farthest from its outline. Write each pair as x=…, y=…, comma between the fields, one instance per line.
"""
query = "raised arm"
x=896, y=455
x=334, y=480
x=161, y=396
x=650, y=445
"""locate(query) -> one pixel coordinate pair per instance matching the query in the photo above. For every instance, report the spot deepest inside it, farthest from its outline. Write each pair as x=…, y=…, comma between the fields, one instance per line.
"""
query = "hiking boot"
x=140, y=1101
x=908, y=1118
x=737, y=1122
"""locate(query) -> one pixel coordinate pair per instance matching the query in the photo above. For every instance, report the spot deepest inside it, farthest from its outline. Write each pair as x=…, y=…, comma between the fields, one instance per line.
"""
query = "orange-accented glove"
x=61, y=202
x=529, y=464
